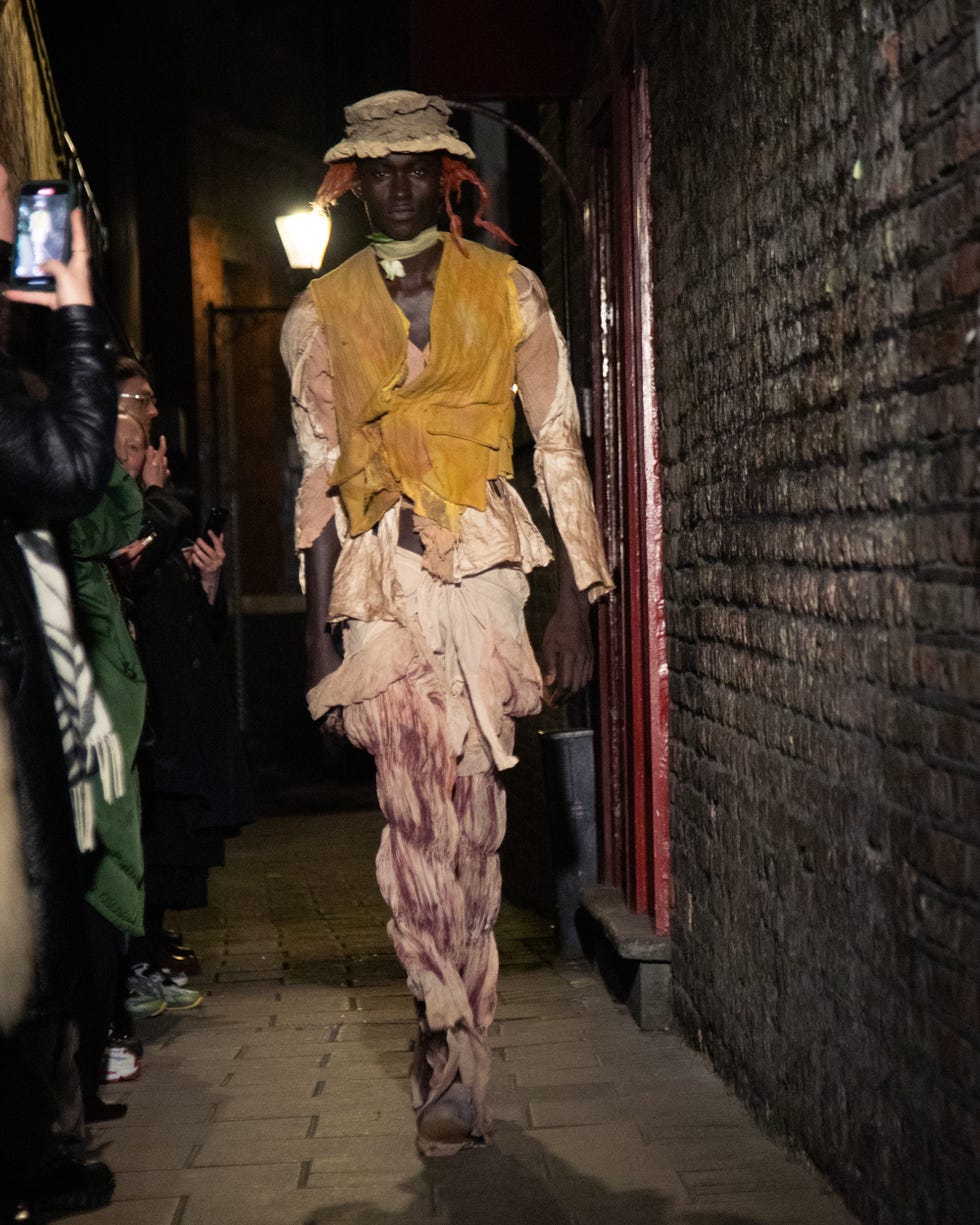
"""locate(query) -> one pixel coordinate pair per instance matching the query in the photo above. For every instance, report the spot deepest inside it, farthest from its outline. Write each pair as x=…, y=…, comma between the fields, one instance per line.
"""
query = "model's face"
x=137, y=399
x=401, y=192
x=130, y=445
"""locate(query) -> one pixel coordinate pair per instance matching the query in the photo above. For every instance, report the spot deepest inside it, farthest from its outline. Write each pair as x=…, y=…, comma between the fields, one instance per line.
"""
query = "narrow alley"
x=284, y=1099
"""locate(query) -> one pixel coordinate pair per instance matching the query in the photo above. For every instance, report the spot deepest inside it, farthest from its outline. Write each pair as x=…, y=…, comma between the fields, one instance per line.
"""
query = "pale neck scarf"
x=391, y=251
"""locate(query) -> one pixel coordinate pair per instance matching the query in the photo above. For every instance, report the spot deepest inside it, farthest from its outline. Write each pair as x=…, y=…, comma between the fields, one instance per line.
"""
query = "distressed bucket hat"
x=399, y=121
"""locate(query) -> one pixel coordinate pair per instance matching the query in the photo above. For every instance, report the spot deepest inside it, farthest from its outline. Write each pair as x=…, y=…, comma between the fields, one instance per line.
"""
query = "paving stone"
x=131, y=1149
x=632, y=1208
x=549, y=1055
x=365, y=1120
x=285, y=1045
x=711, y=1148
x=538, y=1033
x=162, y=1211
x=251, y=961
x=379, y=1037
x=275, y=1101
x=690, y=1108
x=268, y=944
x=575, y=1111
x=181, y=1108
x=354, y=1063
x=762, y=1208
x=158, y=1184
x=771, y=1174
x=249, y=976
x=535, y=1077
x=223, y=1150
x=307, y=1206
x=273, y=1071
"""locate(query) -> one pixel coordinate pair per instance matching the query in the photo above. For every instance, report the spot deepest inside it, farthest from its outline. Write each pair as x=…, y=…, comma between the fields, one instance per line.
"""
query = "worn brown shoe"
x=449, y=1119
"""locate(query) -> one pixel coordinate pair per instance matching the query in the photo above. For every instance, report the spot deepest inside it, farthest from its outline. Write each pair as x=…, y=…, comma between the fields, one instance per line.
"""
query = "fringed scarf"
x=88, y=739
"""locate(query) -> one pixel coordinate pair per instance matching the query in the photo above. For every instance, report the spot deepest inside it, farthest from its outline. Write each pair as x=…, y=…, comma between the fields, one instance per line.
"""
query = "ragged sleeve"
x=545, y=386
x=304, y=352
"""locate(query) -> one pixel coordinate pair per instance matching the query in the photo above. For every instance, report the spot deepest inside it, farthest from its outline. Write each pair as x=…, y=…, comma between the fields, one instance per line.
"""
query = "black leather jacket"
x=56, y=456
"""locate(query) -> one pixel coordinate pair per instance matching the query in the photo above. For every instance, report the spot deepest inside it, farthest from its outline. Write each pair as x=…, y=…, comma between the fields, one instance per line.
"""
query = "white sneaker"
x=120, y=1063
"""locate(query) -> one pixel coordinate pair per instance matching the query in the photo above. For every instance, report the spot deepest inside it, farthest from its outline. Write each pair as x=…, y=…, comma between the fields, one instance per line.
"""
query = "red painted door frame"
x=632, y=639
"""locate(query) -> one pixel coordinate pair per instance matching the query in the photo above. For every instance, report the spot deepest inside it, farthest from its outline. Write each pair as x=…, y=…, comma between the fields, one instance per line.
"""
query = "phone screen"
x=43, y=211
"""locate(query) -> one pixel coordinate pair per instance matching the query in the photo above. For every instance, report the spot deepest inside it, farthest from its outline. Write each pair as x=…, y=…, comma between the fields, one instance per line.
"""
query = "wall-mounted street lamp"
x=305, y=236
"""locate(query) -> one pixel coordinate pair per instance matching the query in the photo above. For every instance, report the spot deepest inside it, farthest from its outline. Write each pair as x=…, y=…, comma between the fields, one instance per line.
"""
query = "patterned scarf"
x=88, y=739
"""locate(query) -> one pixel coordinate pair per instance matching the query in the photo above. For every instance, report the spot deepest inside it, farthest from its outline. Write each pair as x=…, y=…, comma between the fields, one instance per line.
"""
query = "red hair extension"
x=455, y=173
x=339, y=179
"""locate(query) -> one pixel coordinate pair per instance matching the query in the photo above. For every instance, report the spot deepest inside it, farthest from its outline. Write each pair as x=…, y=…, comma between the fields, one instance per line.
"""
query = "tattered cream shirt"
x=364, y=582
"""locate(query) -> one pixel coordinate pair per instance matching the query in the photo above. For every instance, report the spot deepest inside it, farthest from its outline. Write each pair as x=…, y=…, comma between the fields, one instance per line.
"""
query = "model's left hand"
x=208, y=556
x=566, y=653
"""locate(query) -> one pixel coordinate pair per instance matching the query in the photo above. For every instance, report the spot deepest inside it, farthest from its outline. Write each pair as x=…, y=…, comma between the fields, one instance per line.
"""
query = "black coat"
x=195, y=783
x=55, y=460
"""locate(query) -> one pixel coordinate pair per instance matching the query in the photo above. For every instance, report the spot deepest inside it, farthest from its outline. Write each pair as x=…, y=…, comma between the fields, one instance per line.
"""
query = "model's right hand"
x=332, y=723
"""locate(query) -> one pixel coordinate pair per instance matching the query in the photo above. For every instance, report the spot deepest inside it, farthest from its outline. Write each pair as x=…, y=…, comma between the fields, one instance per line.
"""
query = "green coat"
x=117, y=884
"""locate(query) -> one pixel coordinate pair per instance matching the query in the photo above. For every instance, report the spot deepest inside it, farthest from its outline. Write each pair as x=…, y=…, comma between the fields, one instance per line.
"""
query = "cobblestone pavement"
x=283, y=1100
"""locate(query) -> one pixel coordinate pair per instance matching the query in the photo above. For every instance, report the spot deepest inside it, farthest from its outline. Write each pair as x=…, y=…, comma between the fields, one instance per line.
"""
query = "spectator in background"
x=113, y=907
x=194, y=778
x=55, y=460
x=136, y=397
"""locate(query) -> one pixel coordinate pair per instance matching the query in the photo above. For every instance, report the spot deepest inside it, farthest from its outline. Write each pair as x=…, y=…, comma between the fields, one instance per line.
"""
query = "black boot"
x=65, y=1185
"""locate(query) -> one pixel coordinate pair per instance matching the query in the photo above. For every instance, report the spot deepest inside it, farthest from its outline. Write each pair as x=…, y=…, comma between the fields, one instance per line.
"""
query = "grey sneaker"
x=143, y=998
x=147, y=982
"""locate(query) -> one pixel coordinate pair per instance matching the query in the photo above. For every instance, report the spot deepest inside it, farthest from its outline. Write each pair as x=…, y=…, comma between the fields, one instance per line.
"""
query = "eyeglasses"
x=139, y=396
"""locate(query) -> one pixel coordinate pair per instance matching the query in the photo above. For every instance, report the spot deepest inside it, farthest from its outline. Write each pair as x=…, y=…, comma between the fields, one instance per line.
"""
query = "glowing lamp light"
x=304, y=236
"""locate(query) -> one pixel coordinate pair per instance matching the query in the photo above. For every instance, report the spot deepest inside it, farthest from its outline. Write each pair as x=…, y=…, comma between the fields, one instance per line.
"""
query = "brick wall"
x=817, y=234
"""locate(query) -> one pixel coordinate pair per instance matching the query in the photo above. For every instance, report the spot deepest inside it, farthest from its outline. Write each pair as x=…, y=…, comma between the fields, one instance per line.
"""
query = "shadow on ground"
x=516, y=1181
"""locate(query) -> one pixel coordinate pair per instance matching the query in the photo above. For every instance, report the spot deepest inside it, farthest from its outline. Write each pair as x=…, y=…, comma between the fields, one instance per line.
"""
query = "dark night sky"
x=123, y=69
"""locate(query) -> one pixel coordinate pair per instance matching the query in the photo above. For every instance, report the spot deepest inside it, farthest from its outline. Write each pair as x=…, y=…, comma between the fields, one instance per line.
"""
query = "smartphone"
x=216, y=522
x=43, y=231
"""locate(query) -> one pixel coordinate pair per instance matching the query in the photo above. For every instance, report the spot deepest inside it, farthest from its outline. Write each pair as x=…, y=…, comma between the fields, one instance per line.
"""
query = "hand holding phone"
x=217, y=517
x=207, y=553
x=43, y=233
x=69, y=284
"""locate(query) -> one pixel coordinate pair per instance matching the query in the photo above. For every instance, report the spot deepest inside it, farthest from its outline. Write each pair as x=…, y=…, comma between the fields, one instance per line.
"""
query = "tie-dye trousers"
x=433, y=699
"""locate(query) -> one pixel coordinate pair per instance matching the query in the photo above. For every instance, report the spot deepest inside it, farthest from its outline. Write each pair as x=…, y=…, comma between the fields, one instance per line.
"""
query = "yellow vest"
x=441, y=439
